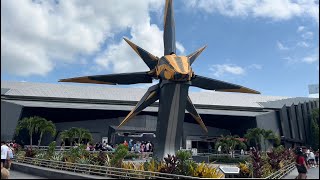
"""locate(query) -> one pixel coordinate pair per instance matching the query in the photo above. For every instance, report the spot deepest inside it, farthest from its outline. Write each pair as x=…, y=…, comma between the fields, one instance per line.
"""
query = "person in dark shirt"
x=301, y=164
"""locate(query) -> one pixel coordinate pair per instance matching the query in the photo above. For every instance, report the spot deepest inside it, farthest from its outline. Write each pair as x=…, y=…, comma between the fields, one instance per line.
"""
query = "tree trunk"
x=256, y=143
x=39, y=142
x=30, y=140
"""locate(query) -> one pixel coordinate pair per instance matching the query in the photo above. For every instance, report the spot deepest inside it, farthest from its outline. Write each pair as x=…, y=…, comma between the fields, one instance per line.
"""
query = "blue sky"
x=269, y=46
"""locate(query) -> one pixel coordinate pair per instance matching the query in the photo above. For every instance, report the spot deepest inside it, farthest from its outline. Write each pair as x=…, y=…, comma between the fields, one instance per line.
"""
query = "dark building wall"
x=292, y=122
x=10, y=114
x=100, y=128
x=300, y=122
x=285, y=121
x=269, y=121
x=305, y=121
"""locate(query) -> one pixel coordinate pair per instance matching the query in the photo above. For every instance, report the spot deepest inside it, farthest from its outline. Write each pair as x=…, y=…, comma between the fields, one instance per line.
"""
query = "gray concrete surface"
x=313, y=173
x=20, y=175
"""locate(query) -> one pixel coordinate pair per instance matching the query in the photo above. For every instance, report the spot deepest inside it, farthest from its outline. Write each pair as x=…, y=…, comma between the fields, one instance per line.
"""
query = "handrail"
x=100, y=170
x=282, y=172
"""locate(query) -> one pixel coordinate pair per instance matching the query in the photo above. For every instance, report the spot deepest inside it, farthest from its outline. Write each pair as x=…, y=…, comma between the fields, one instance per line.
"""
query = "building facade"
x=100, y=109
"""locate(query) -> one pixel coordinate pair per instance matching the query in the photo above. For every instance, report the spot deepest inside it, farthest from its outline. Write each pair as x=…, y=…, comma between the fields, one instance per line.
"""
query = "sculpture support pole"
x=172, y=104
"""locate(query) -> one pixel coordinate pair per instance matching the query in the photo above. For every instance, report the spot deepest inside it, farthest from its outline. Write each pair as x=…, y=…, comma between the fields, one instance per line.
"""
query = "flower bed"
x=181, y=164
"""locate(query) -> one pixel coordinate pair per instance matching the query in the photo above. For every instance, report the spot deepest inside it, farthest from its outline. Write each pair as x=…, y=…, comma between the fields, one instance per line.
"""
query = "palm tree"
x=45, y=126
x=74, y=132
x=30, y=124
x=255, y=135
x=267, y=135
x=69, y=134
x=83, y=134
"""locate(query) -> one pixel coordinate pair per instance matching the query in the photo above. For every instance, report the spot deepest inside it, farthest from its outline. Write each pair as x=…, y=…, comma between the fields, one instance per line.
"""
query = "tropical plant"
x=75, y=132
x=40, y=155
x=254, y=135
x=205, y=171
x=57, y=156
x=186, y=165
x=30, y=153
x=171, y=165
x=269, y=135
x=83, y=134
x=119, y=155
x=51, y=149
x=66, y=134
x=74, y=153
x=229, y=143
x=245, y=170
x=31, y=124
x=45, y=126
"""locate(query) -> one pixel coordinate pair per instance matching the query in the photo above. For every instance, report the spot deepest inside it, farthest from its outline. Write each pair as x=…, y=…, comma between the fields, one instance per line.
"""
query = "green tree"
x=84, y=134
x=229, y=143
x=269, y=135
x=75, y=132
x=253, y=134
x=45, y=126
x=31, y=124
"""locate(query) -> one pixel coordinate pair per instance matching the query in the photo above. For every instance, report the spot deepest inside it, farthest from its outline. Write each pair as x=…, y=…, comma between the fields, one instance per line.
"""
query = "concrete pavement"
x=313, y=173
x=20, y=175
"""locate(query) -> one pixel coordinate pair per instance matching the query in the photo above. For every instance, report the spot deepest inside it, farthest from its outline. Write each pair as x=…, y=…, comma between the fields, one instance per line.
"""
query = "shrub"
x=205, y=171
x=41, y=155
x=51, y=149
x=119, y=155
x=228, y=159
x=186, y=166
x=131, y=156
x=74, y=153
x=170, y=164
x=30, y=153
x=245, y=170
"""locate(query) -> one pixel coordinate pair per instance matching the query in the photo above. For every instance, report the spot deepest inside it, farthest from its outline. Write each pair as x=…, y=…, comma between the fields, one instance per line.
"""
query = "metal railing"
x=101, y=170
x=282, y=172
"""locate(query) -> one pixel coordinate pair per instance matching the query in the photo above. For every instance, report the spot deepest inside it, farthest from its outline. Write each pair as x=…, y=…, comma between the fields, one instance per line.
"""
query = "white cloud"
x=311, y=59
x=307, y=35
x=122, y=58
x=180, y=48
x=301, y=28
x=281, y=46
x=37, y=35
x=303, y=44
x=274, y=9
x=255, y=66
x=221, y=69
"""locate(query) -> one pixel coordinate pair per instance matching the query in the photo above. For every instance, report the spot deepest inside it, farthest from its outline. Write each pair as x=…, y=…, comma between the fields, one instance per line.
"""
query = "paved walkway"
x=20, y=175
x=313, y=173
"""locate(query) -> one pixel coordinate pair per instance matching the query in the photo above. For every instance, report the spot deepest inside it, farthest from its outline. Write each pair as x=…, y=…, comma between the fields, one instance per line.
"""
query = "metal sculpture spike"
x=175, y=75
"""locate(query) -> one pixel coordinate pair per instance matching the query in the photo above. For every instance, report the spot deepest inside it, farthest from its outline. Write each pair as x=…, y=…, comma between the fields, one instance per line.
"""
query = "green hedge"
x=131, y=156
x=227, y=159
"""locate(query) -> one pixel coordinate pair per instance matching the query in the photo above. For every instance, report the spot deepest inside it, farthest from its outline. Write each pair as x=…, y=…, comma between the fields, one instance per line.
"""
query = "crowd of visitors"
x=136, y=147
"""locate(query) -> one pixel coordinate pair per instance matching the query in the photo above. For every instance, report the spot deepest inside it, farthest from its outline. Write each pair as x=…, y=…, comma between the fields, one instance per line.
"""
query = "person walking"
x=4, y=154
x=10, y=156
x=301, y=164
